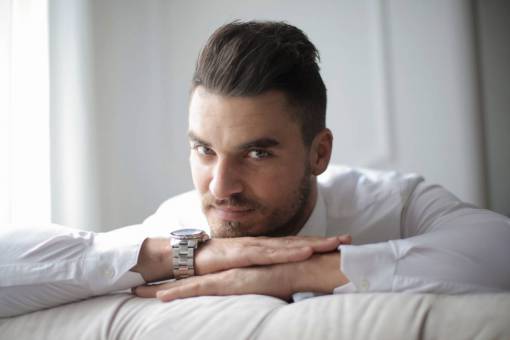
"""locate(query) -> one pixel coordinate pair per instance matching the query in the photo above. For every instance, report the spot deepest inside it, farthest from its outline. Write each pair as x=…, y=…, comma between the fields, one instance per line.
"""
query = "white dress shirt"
x=408, y=236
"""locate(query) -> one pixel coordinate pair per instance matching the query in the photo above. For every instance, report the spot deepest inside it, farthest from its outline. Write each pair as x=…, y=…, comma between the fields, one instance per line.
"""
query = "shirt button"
x=364, y=285
x=108, y=272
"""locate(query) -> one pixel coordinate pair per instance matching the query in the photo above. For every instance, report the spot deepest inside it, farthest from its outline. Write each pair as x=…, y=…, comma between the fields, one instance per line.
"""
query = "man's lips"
x=231, y=213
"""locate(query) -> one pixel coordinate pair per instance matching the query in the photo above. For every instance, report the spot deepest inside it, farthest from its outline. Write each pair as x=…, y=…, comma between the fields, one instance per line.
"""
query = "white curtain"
x=25, y=195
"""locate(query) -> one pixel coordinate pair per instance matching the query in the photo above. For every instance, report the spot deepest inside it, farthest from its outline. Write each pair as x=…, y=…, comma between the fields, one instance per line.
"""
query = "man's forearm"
x=247, y=265
x=321, y=274
x=155, y=260
x=44, y=266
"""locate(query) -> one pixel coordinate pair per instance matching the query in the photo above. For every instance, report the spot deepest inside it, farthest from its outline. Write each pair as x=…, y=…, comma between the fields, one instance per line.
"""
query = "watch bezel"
x=191, y=234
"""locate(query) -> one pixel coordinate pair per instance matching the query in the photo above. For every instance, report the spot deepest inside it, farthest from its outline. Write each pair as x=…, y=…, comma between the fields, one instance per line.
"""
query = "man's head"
x=257, y=129
x=248, y=59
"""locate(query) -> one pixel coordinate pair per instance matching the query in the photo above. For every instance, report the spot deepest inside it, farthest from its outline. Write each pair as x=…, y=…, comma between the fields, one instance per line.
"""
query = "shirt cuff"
x=112, y=256
x=369, y=268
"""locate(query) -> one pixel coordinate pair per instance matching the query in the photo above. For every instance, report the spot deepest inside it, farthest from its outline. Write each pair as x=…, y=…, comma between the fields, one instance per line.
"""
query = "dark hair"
x=249, y=58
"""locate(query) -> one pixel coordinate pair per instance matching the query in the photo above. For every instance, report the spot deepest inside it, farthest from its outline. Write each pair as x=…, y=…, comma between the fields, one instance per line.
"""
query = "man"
x=258, y=144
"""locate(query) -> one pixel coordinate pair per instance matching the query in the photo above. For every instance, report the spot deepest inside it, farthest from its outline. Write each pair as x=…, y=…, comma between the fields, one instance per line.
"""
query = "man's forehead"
x=207, y=103
x=240, y=120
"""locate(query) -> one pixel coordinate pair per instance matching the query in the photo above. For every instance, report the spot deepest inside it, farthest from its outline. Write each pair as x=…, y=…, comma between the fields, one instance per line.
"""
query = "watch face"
x=185, y=233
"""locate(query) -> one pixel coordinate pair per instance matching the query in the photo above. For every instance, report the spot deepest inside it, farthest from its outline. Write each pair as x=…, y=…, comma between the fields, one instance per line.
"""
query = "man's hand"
x=221, y=254
x=320, y=273
x=154, y=261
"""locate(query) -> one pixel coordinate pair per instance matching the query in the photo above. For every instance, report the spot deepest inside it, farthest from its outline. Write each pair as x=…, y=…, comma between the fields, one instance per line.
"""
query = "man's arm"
x=447, y=246
x=155, y=258
x=42, y=267
x=320, y=273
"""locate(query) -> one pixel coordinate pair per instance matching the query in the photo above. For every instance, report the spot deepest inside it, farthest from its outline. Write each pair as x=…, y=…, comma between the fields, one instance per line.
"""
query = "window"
x=25, y=194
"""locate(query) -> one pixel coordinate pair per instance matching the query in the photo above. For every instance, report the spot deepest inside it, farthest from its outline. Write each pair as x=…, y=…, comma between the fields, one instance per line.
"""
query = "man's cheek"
x=200, y=176
x=276, y=188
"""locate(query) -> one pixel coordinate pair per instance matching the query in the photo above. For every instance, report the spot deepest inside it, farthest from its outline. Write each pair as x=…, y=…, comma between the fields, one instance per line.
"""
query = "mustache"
x=237, y=201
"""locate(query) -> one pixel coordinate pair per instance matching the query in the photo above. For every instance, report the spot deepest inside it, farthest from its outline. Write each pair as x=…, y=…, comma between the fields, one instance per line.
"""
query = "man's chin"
x=227, y=229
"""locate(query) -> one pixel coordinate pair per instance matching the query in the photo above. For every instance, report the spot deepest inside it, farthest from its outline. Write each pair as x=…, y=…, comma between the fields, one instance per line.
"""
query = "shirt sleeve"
x=42, y=267
x=447, y=246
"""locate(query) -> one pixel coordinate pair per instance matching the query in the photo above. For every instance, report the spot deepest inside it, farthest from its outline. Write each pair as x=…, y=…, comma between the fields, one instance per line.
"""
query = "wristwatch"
x=184, y=242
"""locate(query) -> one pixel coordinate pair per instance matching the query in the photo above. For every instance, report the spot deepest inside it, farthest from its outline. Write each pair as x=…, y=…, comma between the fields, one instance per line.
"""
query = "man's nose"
x=225, y=180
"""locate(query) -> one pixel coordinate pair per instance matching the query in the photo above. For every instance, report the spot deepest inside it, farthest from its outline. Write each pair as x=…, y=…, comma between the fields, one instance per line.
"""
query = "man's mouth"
x=231, y=213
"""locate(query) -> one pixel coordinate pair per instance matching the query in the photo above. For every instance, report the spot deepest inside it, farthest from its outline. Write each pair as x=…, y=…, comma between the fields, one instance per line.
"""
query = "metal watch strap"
x=183, y=258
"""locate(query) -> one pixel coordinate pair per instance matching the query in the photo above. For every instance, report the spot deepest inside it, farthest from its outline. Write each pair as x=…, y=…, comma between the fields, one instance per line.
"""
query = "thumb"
x=345, y=239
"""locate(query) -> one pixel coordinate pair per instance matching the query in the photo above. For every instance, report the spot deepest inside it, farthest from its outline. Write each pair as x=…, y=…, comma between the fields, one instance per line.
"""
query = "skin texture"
x=255, y=177
x=249, y=164
x=318, y=274
x=155, y=259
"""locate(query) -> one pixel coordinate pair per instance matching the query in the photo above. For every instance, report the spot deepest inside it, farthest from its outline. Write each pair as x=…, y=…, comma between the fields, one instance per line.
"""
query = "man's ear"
x=320, y=151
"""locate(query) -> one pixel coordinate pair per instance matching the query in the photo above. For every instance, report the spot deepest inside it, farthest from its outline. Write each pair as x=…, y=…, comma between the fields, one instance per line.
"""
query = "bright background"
x=93, y=106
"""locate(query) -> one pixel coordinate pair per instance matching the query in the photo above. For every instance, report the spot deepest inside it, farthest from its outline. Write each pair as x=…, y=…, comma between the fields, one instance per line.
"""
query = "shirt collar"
x=316, y=224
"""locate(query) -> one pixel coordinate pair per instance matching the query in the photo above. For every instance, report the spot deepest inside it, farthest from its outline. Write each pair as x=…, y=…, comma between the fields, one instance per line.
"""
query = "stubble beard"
x=281, y=222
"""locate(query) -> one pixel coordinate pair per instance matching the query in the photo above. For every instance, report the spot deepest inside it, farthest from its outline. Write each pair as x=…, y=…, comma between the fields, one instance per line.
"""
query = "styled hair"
x=250, y=58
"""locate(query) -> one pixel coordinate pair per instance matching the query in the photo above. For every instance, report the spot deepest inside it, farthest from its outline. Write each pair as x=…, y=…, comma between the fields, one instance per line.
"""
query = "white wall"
x=436, y=96
x=401, y=77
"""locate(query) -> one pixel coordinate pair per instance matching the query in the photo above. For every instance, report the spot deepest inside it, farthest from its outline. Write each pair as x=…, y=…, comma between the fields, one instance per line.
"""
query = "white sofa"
x=350, y=316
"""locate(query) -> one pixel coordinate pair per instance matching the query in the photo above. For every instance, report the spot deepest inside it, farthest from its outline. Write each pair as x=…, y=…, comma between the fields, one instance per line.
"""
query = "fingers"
x=193, y=286
x=263, y=255
x=318, y=244
x=150, y=291
x=189, y=289
x=233, y=255
x=291, y=249
x=326, y=245
x=345, y=239
x=222, y=254
x=267, y=280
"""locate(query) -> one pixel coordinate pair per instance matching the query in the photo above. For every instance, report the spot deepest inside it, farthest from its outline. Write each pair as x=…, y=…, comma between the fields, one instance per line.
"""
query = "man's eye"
x=204, y=150
x=259, y=154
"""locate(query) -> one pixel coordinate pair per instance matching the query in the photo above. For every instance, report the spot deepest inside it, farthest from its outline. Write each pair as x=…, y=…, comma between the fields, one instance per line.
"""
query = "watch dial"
x=187, y=232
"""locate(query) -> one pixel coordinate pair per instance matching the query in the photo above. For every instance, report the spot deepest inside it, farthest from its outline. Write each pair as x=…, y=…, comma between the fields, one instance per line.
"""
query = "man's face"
x=249, y=164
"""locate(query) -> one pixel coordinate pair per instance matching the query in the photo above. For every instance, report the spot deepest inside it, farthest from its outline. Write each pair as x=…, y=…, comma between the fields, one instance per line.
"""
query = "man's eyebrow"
x=194, y=138
x=262, y=143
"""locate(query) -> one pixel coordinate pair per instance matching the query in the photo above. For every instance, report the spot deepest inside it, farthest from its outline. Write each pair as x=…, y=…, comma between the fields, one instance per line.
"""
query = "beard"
x=281, y=221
